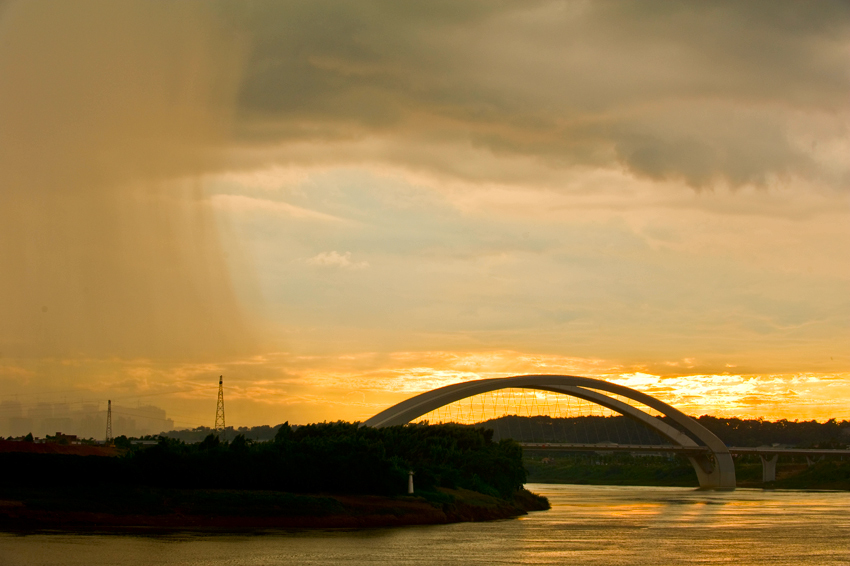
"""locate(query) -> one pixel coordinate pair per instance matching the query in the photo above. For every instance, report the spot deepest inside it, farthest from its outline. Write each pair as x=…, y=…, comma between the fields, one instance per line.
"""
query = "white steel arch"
x=715, y=470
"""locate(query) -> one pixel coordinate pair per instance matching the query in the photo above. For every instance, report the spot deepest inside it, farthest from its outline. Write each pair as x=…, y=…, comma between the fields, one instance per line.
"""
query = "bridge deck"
x=649, y=448
x=614, y=447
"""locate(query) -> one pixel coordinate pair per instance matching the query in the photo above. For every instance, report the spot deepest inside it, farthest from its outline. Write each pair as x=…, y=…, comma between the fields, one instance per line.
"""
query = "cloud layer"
x=654, y=188
x=711, y=93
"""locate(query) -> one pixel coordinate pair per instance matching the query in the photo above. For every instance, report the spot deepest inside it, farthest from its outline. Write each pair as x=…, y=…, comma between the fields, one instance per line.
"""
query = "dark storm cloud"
x=699, y=91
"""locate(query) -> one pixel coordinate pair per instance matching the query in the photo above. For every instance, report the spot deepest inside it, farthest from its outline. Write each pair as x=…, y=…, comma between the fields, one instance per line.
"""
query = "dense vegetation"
x=262, y=433
x=591, y=429
x=611, y=469
x=622, y=430
x=760, y=432
x=331, y=458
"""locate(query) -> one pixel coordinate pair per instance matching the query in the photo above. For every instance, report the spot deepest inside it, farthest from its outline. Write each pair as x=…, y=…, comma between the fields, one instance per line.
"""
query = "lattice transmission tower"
x=219, y=410
x=109, y=421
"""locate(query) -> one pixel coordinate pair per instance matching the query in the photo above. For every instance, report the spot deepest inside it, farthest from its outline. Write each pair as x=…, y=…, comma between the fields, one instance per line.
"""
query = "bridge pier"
x=812, y=460
x=768, y=467
x=715, y=470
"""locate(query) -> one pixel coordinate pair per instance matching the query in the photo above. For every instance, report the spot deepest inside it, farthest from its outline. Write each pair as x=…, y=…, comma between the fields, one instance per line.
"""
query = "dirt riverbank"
x=226, y=510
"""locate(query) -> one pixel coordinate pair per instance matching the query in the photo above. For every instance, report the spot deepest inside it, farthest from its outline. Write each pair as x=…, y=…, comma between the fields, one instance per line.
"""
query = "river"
x=587, y=525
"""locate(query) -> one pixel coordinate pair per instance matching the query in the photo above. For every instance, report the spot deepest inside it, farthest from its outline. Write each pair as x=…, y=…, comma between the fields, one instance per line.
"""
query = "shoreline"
x=329, y=511
x=829, y=475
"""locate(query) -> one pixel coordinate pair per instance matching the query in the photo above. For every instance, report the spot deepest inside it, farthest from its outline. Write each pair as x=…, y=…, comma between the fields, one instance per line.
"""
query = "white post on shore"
x=410, y=482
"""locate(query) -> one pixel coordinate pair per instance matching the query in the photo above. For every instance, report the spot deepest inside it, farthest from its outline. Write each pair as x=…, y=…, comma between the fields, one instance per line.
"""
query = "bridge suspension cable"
x=542, y=416
x=709, y=456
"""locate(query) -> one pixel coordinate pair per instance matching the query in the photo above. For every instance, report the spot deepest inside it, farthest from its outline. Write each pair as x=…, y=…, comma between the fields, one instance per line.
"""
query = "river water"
x=587, y=525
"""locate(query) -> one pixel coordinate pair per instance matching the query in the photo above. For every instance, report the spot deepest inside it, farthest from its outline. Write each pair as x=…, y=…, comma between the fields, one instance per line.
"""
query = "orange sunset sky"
x=339, y=204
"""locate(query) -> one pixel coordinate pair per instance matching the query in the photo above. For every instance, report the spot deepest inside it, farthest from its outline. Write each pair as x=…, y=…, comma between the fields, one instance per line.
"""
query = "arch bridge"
x=709, y=456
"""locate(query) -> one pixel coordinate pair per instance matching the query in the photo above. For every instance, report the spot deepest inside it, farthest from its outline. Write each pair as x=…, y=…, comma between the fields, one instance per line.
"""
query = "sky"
x=338, y=205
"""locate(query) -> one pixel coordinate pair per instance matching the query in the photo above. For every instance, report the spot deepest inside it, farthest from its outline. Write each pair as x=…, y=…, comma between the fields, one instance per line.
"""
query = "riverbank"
x=46, y=509
x=624, y=469
x=18, y=447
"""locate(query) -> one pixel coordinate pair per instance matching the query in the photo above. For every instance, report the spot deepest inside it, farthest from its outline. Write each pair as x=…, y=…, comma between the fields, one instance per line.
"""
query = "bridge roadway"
x=768, y=454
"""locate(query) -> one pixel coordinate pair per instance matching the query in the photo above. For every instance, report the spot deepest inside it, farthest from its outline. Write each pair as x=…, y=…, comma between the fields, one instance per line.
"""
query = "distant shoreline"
x=832, y=475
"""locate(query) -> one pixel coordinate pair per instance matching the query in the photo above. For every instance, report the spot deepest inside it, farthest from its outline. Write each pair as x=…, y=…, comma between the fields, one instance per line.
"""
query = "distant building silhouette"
x=85, y=420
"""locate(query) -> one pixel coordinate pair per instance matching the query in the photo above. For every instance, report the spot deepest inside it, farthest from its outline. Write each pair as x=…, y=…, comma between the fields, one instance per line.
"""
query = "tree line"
x=622, y=430
x=329, y=457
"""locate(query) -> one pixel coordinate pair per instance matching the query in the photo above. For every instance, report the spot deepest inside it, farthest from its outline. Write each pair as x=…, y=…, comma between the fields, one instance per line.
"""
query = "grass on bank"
x=626, y=469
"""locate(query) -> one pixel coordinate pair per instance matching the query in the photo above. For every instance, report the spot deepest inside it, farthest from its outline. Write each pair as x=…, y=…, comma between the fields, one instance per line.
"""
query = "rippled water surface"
x=587, y=525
